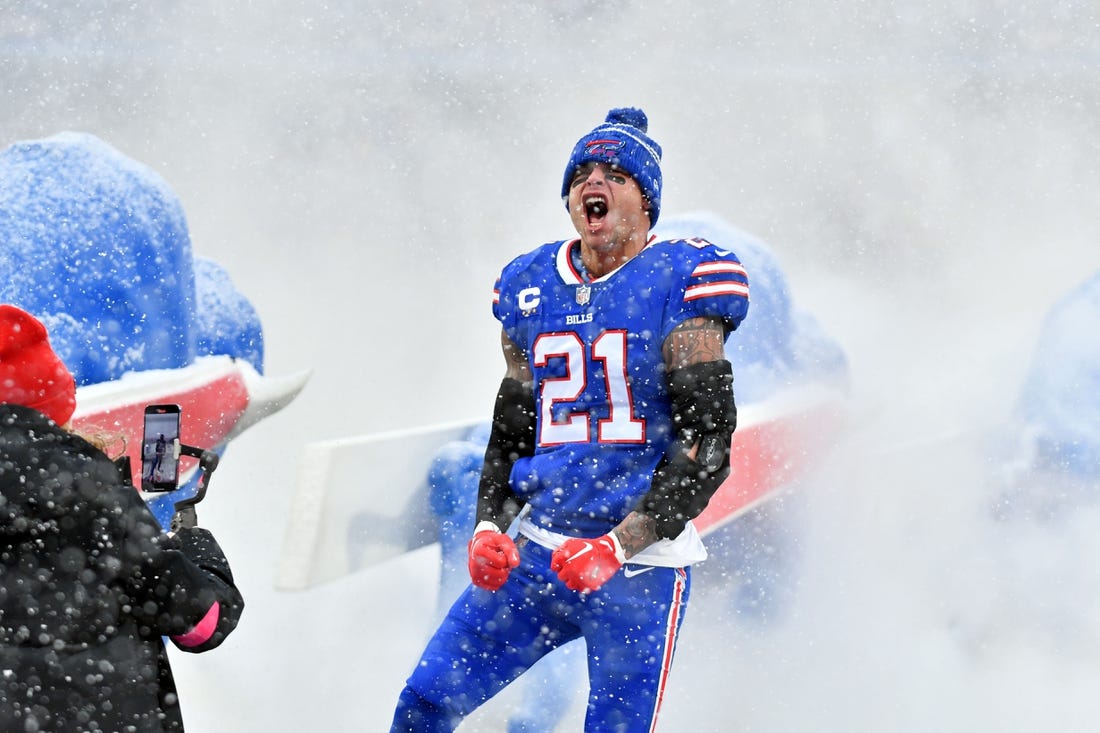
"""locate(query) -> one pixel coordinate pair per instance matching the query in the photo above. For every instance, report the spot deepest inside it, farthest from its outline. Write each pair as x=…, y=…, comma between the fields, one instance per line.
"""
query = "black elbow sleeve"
x=511, y=437
x=702, y=398
x=704, y=416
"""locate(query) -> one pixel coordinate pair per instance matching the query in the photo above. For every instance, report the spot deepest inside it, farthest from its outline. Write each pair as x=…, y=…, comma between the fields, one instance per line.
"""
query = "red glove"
x=586, y=564
x=493, y=554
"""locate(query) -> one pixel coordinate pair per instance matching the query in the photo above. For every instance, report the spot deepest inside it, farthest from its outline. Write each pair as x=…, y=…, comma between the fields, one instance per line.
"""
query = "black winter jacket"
x=89, y=586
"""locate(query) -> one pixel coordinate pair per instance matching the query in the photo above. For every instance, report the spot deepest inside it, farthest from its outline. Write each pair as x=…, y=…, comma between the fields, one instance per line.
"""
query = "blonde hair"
x=113, y=444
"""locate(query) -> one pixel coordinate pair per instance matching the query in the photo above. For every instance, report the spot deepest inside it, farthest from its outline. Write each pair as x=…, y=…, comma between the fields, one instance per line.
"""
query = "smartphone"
x=160, y=448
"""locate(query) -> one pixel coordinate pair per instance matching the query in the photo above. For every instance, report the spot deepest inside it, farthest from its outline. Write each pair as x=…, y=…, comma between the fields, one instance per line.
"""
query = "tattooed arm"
x=695, y=341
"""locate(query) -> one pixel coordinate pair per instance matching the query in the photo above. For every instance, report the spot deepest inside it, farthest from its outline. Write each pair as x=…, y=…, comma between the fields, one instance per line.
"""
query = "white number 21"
x=620, y=426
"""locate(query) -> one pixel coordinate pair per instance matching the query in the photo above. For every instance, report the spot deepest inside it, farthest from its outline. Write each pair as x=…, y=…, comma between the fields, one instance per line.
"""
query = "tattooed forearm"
x=636, y=533
x=694, y=341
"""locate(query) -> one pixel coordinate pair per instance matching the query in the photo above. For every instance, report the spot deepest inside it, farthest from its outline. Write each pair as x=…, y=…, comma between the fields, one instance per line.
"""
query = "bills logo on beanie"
x=621, y=140
x=31, y=374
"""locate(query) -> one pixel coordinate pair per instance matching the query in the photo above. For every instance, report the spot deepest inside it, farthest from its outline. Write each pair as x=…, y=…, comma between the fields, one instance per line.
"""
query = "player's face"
x=606, y=205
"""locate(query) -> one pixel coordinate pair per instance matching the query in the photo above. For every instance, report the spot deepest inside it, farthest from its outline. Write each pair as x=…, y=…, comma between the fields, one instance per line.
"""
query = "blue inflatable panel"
x=96, y=245
x=1060, y=397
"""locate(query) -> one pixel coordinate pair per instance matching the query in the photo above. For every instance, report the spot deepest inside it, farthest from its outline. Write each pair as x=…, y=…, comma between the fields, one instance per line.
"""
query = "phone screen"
x=160, y=448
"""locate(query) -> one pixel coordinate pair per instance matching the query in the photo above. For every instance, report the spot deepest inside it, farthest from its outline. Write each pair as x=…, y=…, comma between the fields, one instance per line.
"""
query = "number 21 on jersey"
x=609, y=348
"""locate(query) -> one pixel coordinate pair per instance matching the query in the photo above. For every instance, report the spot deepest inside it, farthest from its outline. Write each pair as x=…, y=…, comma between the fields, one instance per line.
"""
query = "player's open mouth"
x=595, y=208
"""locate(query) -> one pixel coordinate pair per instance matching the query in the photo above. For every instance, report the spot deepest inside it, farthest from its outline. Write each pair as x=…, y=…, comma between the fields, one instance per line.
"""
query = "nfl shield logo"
x=584, y=292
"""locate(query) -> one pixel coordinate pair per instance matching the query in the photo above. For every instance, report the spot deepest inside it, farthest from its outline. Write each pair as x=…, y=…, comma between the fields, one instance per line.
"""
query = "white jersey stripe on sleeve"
x=727, y=287
x=718, y=268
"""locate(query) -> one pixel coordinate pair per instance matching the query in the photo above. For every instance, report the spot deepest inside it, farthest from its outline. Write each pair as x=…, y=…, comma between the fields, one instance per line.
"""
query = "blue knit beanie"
x=621, y=140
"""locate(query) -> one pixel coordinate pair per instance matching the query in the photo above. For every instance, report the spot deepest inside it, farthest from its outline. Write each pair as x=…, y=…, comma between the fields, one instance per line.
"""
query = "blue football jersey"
x=595, y=349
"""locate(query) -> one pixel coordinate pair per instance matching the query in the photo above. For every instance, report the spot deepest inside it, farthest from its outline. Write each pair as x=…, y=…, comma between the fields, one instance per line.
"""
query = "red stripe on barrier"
x=208, y=413
x=767, y=455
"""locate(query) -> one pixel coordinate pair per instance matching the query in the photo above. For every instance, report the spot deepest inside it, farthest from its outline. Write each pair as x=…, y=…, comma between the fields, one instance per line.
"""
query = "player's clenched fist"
x=586, y=564
x=493, y=554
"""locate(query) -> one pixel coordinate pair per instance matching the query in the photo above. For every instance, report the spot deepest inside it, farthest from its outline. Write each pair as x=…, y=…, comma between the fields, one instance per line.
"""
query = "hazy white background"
x=927, y=172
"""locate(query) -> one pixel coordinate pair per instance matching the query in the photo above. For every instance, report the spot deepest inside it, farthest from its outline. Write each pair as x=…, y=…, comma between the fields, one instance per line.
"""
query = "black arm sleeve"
x=703, y=411
x=511, y=437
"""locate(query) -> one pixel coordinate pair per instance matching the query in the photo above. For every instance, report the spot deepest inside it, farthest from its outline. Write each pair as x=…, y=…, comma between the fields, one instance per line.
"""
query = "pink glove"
x=493, y=554
x=586, y=564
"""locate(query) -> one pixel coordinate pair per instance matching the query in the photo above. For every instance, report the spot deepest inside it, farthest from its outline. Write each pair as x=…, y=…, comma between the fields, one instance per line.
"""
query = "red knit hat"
x=31, y=374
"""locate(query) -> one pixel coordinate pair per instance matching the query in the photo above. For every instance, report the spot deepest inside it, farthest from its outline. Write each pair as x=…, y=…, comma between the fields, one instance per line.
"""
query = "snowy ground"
x=927, y=173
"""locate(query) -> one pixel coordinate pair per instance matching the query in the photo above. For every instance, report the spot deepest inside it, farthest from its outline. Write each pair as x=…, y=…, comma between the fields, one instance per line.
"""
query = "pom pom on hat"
x=31, y=374
x=622, y=140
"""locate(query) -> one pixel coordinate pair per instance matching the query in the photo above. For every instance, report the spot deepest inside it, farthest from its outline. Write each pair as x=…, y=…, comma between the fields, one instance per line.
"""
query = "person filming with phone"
x=89, y=583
